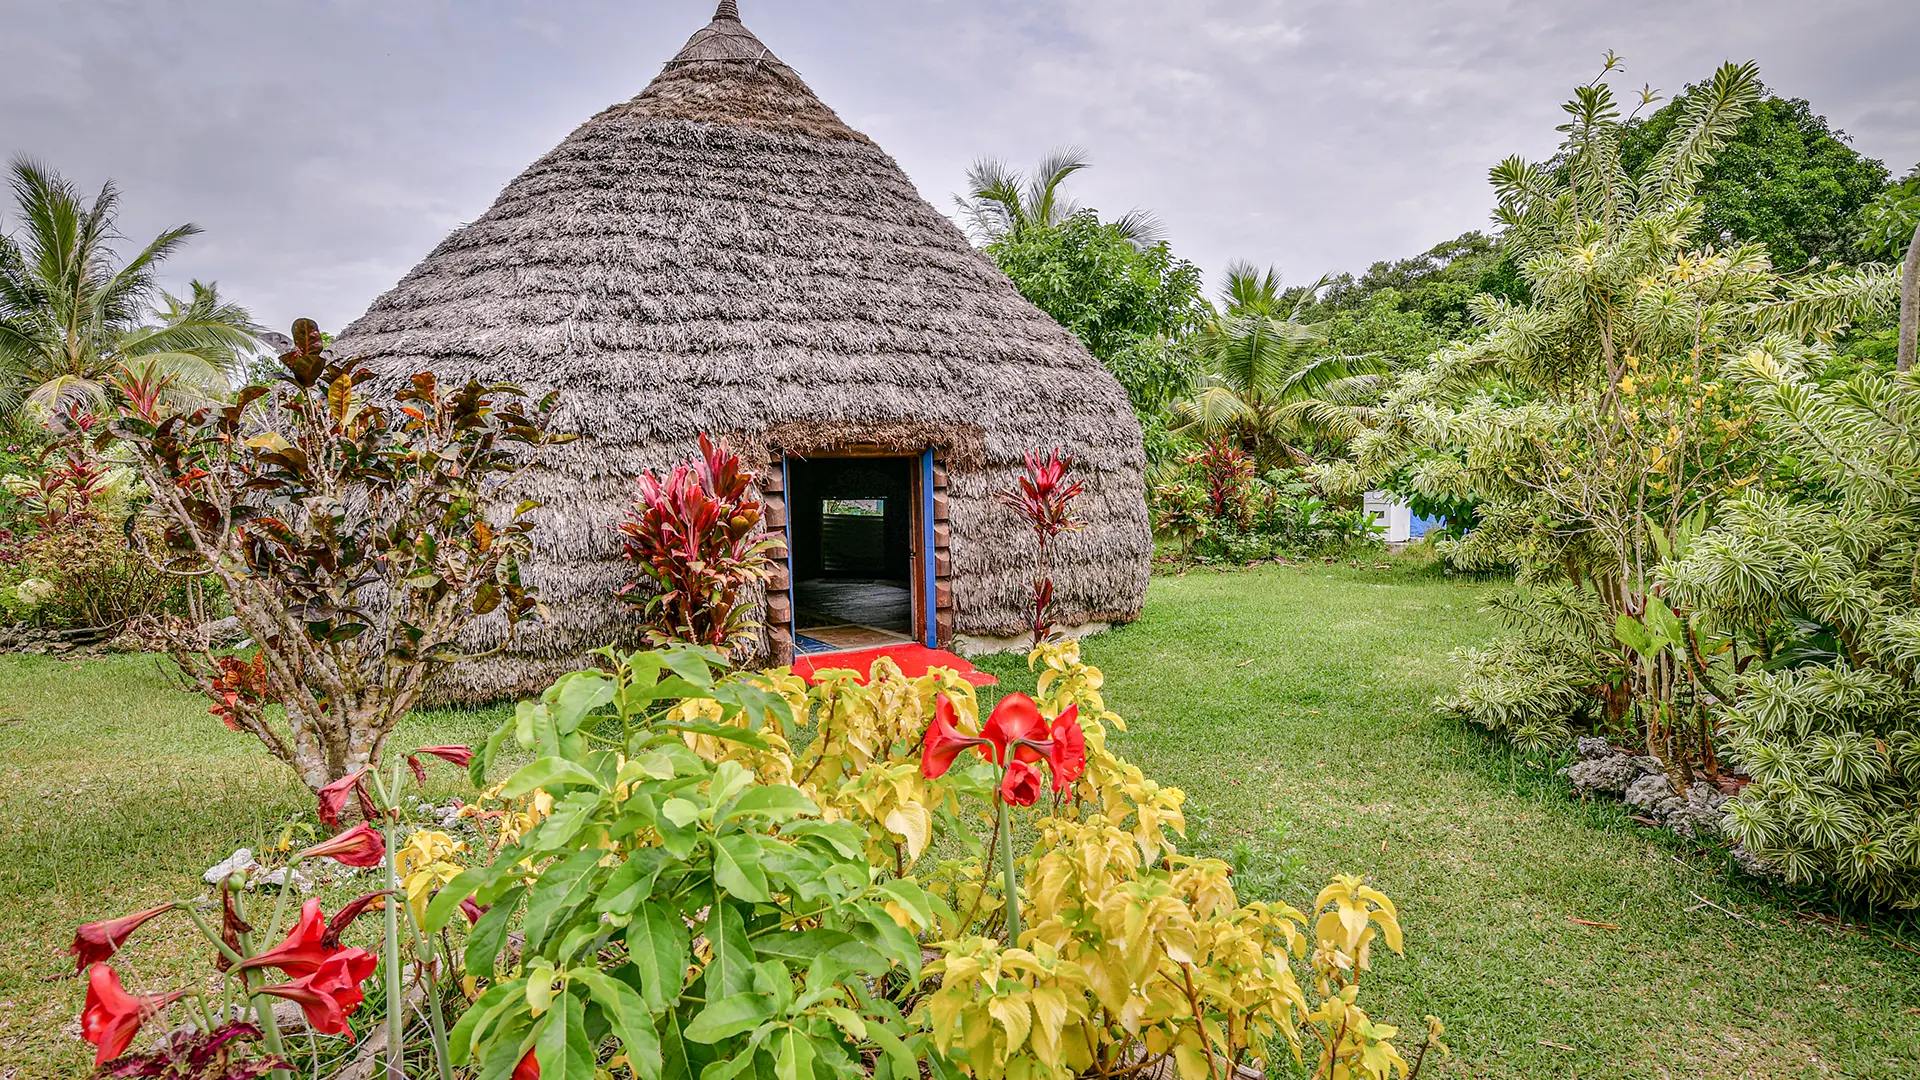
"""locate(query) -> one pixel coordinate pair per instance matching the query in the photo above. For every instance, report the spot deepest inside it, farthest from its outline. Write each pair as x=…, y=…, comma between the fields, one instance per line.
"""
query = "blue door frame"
x=930, y=600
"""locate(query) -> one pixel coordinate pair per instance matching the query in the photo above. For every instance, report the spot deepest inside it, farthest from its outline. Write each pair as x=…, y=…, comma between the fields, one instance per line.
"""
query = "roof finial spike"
x=728, y=10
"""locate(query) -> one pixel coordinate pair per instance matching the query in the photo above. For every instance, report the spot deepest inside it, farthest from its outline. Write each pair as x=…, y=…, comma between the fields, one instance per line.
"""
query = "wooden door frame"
x=930, y=545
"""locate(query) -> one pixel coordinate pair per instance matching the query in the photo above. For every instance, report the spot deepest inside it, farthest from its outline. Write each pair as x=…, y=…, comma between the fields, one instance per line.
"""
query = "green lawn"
x=1290, y=703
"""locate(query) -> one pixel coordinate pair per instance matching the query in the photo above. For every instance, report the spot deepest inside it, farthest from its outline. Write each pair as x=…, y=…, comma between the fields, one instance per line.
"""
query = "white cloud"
x=326, y=146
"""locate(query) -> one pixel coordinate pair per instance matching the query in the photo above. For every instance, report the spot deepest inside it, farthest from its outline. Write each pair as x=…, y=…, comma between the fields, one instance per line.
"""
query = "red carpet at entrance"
x=914, y=661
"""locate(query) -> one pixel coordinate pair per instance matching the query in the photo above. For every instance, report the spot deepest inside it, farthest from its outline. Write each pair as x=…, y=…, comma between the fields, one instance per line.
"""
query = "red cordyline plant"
x=1044, y=497
x=66, y=481
x=317, y=970
x=1016, y=739
x=697, y=536
x=356, y=536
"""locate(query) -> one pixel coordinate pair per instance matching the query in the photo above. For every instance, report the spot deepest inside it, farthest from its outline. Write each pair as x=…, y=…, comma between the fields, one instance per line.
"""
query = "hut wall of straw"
x=722, y=254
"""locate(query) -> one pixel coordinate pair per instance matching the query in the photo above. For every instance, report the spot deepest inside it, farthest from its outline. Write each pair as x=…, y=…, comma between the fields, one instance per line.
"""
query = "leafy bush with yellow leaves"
x=1127, y=958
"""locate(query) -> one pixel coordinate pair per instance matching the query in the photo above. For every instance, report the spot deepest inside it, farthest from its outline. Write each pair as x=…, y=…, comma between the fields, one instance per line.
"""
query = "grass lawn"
x=1290, y=703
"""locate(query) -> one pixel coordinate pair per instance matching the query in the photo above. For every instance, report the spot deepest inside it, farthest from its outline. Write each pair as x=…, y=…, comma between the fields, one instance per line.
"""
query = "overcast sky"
x=327, y=146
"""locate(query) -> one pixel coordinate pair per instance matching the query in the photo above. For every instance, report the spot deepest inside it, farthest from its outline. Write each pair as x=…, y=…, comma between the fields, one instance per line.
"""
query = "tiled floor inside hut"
x=831, y=616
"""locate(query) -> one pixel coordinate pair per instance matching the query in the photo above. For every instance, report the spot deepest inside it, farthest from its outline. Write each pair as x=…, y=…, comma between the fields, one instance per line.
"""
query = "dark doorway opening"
x=852, y=548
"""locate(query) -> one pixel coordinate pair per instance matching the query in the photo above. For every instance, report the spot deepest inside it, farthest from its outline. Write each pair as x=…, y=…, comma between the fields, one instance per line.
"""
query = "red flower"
x=112, y=1017
x=473, y=910
x=1015, y=717
x=332, y=992
x=333, y=797
x=453, y=755
x=1021, y=785
x=1067, y=753
x=944, y=741
x=305, y=948
x=343, y=918
x=98, y=941
x=528, y=1069
x=361, y=845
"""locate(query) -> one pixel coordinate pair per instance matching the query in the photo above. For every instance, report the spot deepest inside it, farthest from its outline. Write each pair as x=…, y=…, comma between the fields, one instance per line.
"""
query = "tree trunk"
x=1910, y=302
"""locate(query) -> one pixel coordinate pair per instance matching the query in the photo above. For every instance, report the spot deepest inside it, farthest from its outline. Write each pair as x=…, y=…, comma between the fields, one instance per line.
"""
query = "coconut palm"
x=1000, y=200
x=1263, y=387
x=73, y=316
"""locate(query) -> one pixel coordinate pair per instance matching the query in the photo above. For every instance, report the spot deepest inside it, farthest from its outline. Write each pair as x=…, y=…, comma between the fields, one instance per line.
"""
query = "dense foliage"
x=1784, y=179
x=1812, y=582
x=1596, y=422
x=355, y=537
x=1129, y=303
x=708, y=889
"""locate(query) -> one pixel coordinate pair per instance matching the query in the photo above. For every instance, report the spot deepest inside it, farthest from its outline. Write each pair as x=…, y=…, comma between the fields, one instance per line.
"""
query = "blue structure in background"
x=1420, y=526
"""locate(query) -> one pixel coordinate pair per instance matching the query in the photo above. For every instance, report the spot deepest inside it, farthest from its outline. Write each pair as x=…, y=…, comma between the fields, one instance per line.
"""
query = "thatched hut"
x=723, y=254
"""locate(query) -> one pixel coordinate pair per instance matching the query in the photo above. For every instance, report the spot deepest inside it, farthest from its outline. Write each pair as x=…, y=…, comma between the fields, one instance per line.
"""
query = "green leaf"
x=717, y=730
x=476, y=1023
x=562, y=888
x=736, y=866
x=878, y=929
x=576, y=695
x=549, y=773
x=911, y=896
x=657, y=945
x=1630, y=632
x=631, y=1017
x=680, y=812
x=844, y=837
x=571, y=813
x=632, y=881
x=731, y=969
x=561, y=1047
x=793, y=1055
x=775, y=802
x=447, y=901
x=482, y=761
x=727, y=1017
x=487, y=935
x=898, y=1055
x=676, y=1063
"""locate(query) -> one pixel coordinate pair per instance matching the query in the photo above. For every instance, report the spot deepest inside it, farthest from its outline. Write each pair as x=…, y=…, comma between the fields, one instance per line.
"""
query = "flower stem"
x=396, y=1003
x=1012, y=885
x=269, y=1027
x=442, y=1059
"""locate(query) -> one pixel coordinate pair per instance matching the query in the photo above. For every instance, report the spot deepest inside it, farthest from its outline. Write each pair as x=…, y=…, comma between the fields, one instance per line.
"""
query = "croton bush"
x=701, y=873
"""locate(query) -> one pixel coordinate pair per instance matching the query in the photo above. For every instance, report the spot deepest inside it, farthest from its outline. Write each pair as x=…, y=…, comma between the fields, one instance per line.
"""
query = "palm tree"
x=1263, y=387
x=73, y=317
x=1000, y=200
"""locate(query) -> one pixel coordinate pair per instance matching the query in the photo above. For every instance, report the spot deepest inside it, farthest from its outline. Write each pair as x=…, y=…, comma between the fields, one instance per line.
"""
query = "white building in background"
x=1392, y=515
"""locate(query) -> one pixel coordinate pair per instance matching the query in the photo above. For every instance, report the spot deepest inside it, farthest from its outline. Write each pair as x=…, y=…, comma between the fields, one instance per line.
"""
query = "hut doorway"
x=855, y=525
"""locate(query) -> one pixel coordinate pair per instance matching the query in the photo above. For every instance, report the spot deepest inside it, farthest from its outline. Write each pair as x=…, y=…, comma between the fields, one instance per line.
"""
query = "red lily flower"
x=528, y=1069
x=453, y=755
x=473, y=910
x=305, y=948
x=332, y=992
x=333, y=797
x=330, y=938
x=112, y=1017
x=361, y=845
x=97, y=941
x=1067, y=751
x=1016, y=717
x=944, y=741
x=1021, y=785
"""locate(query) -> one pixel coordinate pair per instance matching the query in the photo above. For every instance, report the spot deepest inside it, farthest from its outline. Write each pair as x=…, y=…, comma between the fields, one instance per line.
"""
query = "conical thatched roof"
x=723, y=254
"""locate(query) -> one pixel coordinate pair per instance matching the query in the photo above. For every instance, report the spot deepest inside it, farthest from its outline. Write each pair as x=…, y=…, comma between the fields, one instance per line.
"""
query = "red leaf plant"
x=697, y=536
x=198, y=1055
x=1044, y=498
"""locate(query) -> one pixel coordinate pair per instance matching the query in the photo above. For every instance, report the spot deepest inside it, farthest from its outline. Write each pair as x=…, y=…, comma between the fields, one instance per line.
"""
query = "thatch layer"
x=722, y=254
